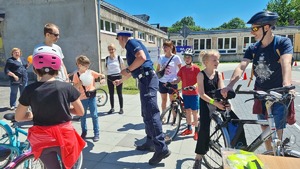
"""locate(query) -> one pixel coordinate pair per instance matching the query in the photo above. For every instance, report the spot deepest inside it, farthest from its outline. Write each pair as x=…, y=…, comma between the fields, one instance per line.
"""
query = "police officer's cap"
x=124, y=33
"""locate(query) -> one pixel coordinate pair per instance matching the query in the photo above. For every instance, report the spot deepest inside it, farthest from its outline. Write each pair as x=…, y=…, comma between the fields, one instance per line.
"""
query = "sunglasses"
x=256, y=28
x=55, y=34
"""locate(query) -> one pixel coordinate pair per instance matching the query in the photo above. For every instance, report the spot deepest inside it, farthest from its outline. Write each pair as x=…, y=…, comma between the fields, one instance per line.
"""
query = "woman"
x=114, y=64
x=52, y=133
x=16, y=68
x=170, y=74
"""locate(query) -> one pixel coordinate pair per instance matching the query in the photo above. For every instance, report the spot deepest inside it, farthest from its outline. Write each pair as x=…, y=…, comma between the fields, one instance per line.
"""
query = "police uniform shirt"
x=133, y=46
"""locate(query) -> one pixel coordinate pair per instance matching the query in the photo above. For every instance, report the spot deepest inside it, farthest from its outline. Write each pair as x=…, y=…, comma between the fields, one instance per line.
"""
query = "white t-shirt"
x=113, y=65
x=61, y=74
x=171, y=70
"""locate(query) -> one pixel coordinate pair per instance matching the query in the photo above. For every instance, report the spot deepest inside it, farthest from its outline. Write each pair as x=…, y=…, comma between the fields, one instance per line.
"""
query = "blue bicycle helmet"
x=264, y=18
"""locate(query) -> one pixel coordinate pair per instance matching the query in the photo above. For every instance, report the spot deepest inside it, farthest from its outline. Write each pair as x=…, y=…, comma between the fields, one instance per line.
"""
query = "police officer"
x=141, y=67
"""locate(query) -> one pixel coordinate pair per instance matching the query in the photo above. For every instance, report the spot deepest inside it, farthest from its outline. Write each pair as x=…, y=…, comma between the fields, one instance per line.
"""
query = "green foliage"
x=235, y=23
x=188, y=21
x=288, y=11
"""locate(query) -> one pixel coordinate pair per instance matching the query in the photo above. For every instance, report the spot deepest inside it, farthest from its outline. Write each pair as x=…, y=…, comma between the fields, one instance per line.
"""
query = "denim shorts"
x=278, y=114
x=191, y=102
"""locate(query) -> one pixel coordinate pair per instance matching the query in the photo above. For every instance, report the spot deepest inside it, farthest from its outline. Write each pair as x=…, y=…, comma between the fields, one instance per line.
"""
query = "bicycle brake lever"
x=248, y=100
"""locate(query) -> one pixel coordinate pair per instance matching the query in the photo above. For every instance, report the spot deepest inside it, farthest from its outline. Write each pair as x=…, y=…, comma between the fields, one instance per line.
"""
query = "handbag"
x=161, y=73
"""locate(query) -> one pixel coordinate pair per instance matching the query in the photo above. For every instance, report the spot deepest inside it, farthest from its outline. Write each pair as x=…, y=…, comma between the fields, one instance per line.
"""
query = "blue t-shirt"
x=133, y=46
x=267, y=68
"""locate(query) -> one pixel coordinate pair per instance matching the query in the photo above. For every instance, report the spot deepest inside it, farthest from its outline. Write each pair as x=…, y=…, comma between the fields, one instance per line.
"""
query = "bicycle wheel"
x=5, y=141
x=26, y=161
x=101, y=97
x=218, y=138
x=78, y=164
x=171, y=119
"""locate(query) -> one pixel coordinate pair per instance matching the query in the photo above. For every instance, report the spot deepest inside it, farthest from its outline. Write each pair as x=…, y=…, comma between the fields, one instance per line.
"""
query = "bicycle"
x=219, y=134
x=21, y=156
x=101, y=97
x=172, y=116
x=9, y=138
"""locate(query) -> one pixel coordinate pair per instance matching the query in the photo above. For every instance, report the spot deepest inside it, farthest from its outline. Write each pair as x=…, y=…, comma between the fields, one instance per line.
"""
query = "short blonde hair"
x=112, y=46
x=15, y=49
x=83, y=60
x=205, y=54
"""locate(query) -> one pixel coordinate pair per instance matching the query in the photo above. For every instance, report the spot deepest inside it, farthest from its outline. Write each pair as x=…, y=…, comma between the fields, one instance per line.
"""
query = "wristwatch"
x=127, y=70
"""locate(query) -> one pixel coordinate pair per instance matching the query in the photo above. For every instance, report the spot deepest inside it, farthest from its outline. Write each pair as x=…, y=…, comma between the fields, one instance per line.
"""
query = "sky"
x=206, y=13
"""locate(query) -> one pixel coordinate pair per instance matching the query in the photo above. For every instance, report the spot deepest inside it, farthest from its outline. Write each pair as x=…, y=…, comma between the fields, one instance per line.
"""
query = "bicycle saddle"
x=9, y=116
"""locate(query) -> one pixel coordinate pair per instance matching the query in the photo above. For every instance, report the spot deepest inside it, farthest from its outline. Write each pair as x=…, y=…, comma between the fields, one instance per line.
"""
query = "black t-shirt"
x=49, y=101
x=267, y=69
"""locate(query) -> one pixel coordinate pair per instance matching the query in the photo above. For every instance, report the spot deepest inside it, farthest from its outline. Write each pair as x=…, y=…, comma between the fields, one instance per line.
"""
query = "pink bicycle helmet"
x=46, y=57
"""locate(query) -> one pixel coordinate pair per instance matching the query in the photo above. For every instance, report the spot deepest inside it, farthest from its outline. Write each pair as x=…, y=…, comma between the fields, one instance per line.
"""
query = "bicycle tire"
x=26, y=161
x=101, y=97
x=170, y=124
x=5, y=141
x=78, y=164
x=218, y=138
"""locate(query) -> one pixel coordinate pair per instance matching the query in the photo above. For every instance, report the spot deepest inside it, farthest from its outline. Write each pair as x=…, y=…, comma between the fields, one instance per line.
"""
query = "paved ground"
x=120, y=133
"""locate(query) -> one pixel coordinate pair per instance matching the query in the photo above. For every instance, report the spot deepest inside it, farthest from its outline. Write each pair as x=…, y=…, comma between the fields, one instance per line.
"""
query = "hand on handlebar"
x=225, y=90
x=221, y=105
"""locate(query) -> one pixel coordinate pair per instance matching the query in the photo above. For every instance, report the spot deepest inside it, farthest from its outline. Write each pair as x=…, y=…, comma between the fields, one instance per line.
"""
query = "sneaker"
x=83, y=135
x=197, y=164
x=196, y=136
x=12, y=108
x=112, y=110
x=186, y=132
x=157, y=157
x=121, y=111
x=96, y=138
x=146, y=147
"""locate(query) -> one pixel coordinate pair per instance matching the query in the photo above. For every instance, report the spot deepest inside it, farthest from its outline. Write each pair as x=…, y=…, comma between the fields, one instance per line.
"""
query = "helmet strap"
x=264, y=34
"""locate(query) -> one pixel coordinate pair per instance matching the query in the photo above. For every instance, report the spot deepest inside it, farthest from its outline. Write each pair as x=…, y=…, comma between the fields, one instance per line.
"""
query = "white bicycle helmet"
x=46, y=57
x=188, y=52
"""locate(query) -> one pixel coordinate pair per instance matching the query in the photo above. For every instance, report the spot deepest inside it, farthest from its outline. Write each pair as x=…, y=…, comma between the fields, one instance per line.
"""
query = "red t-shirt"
x=189, y=78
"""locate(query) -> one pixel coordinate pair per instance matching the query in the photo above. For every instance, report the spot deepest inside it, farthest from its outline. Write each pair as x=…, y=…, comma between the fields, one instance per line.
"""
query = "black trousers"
x=111, y=89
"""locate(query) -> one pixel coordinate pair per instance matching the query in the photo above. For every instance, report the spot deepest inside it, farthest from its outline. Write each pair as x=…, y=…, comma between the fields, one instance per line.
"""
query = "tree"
x=235, y=23
x=188, y=21
x=288, y=11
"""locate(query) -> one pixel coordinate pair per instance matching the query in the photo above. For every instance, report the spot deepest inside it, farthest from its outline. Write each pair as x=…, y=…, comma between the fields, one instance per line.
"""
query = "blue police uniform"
x=148, y=86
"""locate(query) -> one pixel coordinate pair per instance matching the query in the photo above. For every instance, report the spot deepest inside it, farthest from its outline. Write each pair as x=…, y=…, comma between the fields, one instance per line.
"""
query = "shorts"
x=191, y=102
x=163, y=89
x=278, y=114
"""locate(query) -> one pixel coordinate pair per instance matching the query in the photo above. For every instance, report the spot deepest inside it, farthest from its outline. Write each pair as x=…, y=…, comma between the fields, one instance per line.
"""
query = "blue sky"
x=206, y=13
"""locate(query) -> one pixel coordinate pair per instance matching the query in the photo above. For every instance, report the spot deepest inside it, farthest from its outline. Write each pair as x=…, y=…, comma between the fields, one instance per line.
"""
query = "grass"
x=130, y=85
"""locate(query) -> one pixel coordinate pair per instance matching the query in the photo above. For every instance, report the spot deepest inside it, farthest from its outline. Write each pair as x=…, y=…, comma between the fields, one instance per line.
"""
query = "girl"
x=52, y=133
x=209, y=79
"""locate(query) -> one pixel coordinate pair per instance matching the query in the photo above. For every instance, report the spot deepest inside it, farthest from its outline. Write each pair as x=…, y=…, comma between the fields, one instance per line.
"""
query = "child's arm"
x=22, y=113
x=77, y=108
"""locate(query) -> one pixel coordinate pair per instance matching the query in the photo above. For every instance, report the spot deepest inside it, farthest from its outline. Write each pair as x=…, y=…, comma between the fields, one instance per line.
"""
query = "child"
x=52, y=134
x=84, y=81
x=188, y=75
x=208, y=79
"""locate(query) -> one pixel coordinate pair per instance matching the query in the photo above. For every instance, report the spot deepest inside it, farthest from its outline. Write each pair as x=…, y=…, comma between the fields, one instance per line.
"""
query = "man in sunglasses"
x=271, y=57
x=51, y=33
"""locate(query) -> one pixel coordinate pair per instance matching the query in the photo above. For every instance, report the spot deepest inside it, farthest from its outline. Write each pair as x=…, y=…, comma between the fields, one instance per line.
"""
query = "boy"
x=84, y=81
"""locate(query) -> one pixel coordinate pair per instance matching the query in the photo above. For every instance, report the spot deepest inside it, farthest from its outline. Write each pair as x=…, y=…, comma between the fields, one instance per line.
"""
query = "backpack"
x=119, y=59
x=276, y=51
x=235, y=128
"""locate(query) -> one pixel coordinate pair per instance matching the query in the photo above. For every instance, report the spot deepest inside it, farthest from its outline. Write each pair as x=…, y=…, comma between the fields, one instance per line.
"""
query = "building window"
x=247, y=42
x=151, y=39
x=107, y=26
x=142, y=35
x=202, y=44
x=196, y=44
x=179, y=43
x=227, y=45
x=127, y=28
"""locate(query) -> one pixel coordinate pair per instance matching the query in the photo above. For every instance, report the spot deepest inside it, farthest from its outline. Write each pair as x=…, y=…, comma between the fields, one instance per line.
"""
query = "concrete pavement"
x=120, y=133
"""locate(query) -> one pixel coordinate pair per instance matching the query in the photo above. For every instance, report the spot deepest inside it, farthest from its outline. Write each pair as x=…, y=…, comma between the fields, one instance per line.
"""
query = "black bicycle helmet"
x=264, y=18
